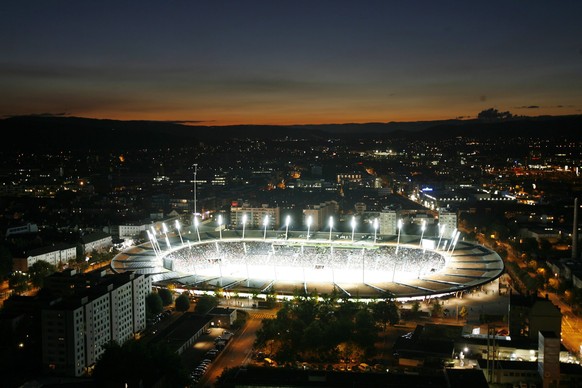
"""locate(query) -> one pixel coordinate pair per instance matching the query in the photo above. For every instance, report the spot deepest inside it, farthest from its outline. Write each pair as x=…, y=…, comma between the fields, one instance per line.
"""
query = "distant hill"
x=31, y=133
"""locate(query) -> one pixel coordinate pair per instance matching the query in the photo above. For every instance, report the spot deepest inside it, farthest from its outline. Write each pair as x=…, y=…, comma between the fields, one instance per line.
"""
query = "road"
x=239, y=349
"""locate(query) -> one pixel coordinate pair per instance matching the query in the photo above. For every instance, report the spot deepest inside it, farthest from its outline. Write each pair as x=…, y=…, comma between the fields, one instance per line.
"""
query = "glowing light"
x=266, y=223
x=287, y=222
x=399, y=225
x=330, y=227
x=244, y=222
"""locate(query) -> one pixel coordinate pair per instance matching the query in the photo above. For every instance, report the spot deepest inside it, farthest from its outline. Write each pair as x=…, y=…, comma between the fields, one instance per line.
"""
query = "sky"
x=289, y=62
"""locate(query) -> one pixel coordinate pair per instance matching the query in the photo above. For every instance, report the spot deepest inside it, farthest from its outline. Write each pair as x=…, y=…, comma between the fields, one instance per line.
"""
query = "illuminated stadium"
x=356, y=265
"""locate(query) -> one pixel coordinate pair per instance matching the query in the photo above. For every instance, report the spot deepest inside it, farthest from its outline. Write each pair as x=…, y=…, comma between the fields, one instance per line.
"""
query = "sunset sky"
x=289, y=62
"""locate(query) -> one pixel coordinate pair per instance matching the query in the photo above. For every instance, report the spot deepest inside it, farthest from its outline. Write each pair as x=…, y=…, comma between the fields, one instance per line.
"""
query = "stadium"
x=356, y=265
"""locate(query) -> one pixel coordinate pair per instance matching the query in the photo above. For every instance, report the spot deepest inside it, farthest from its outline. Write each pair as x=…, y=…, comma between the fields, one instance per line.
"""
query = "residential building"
x=54, y=254
x=320, y=214
x=75, y=328
x=255, y=216
x=530, y=314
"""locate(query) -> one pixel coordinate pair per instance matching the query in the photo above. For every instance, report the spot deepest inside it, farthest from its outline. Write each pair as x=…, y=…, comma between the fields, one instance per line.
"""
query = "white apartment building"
x=448, y=220
x=54, y=254
x=96, y=241
x=388, y=222
x=255, y=216
x=122, y=312
x=128, y=232
x=74, y=329
x=320, y=214
x=97, y=325
x=63, y=338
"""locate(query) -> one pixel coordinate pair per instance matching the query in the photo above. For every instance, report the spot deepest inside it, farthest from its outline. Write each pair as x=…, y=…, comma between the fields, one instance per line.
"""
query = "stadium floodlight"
x=451, y=239
x=196, y=223
x=442, y=231
x=178, y=227
x=309, y=221
x=220, y=225
x=375, y=229
x=152, y=241
x=287, y=222
x=265, y=223
x=165, y=230
x=454, y=242
x=244, y=222
x=422, y=228
x=399, y=225
x=353, y=227
x=330, y=227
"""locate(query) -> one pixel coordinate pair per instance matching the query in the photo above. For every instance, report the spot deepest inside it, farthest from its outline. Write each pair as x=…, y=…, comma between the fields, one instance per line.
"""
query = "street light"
x=196, y=227
x=220, y=225
x=265, y=223
x=330, y=227
x=399, y=225
x=244, y=222
x=287, y=221
x=422, y=228
x=309, y=221
x=375, y=229
x=353, y=227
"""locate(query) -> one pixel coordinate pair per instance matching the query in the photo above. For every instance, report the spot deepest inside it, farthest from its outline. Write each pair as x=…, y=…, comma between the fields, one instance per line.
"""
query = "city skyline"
x=253, y=62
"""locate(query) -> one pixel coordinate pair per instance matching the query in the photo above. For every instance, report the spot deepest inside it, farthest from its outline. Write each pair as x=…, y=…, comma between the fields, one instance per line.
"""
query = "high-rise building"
x=75, y=328
x=388, y=222
x=320, y=214
x=549, y=358
x=448, y=220
x=255, y=216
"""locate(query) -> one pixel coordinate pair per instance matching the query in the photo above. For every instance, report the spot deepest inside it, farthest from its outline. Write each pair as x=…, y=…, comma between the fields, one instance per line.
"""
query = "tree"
x=39, y=271
x=182, y=303
x=437, y=309
x=154, y=304
x=166, y=296
x=415, y=308
x=385, y=312
x=205, y=304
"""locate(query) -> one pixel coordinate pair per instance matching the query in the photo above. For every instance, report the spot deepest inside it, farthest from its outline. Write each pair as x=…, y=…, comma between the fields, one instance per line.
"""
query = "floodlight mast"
x=165, y=229
x=195, y=172
x=330, y=227
x=353, y=227
x=442, y=231
x=422, y=228
x=399, y=225
x=220, y=225
x=266, y=223
x=244, y=222
x=375, y=229
x=196, y=227
x=309, y=221
x=178, y=227
x=287, y=222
